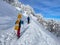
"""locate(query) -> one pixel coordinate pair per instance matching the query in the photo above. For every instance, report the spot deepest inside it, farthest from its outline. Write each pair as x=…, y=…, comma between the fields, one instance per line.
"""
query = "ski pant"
x=18, y=33
x=28, y=21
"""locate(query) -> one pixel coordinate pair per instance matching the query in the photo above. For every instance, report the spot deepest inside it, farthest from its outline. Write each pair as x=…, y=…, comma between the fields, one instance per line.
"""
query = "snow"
x=8, y=15
x=34, y=37
x=31, y=34
x=18, y=8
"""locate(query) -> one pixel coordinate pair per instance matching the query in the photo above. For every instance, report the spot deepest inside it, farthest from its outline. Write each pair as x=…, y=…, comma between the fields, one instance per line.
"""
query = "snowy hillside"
x=31, y=34
x=51, y=25
x=37, y=35
x=7, y=15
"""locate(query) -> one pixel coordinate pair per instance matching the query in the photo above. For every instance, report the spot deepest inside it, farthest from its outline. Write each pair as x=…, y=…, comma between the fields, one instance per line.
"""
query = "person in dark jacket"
x=28, y=18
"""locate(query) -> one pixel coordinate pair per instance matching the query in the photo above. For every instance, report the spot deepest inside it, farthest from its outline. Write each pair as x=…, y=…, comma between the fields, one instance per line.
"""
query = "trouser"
x=28, y=21
x=18, y=33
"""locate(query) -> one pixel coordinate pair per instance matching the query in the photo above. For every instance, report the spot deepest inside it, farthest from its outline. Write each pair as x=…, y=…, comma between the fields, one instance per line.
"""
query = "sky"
x=48, y=8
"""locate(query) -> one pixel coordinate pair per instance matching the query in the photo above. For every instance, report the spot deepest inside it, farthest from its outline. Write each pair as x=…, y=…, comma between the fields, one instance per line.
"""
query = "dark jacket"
x=20, y=23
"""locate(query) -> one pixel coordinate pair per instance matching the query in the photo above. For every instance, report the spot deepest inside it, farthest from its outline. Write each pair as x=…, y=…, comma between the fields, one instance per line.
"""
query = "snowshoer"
x=28, y=19
x=18, y=25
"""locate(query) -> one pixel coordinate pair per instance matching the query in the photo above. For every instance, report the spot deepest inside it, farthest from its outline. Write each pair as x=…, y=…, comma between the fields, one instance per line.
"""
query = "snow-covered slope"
x=37, y=35
x=7, y=15
x=31, y=34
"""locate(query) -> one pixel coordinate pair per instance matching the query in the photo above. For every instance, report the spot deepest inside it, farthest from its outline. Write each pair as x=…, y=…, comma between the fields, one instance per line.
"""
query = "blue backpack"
x=22, y=22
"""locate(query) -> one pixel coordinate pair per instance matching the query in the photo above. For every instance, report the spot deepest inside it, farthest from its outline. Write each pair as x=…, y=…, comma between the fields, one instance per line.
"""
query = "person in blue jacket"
x=28, y=19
